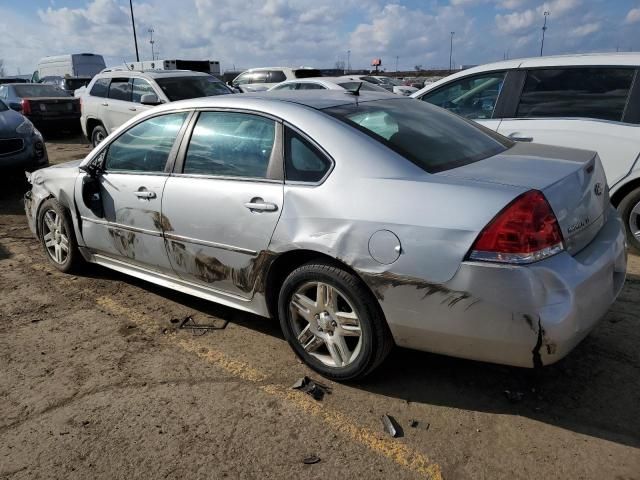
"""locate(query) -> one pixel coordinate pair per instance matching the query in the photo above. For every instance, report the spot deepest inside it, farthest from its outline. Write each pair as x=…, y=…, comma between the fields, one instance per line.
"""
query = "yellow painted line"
x=395, y=450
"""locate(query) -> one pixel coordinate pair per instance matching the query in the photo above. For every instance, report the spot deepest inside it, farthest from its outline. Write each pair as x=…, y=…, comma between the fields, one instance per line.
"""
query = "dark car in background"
x=42, y=104
x=68, y=84
x=13, y=80
x=21, y=144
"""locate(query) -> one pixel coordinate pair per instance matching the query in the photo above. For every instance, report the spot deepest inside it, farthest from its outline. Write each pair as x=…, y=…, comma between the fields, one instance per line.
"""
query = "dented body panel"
x=197, y=236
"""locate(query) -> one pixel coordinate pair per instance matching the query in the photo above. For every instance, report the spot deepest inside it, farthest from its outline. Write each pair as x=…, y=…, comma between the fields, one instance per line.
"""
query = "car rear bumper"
x=516, y=315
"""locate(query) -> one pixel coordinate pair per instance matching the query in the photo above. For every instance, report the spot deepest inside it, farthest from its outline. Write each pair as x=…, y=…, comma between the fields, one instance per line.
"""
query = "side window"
x=243, y=79
x=100, y=88
x=3, y=92
x=141, y=87
x=303, y=162
x=259, y=77
x=120, y=89
x=276, y=76
x=286, y=86
x=576, y=92
x=473, y=97
x=230, y=144
x=145, y=147
x=310, y=86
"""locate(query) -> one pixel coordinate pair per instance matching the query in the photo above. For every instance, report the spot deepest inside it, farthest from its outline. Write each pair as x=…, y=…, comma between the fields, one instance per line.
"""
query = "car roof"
x=153, y=73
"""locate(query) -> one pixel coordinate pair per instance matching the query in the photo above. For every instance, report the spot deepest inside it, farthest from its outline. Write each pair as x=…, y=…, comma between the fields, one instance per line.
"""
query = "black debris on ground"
x=311, y=387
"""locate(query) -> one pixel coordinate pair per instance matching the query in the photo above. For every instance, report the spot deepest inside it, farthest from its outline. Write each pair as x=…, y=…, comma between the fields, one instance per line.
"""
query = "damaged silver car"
x=360, y=220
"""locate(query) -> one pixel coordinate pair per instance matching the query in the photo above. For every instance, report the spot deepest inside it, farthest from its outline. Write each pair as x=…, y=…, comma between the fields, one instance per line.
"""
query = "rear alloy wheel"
x=57, y=236
x=333, y=322
x=629, y=209
x=98, y=134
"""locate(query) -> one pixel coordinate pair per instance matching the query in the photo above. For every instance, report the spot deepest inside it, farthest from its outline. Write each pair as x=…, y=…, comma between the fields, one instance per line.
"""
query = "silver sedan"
x=360, y=221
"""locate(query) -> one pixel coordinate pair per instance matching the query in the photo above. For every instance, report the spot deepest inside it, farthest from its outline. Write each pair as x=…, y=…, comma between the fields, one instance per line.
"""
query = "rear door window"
x=599, y=93
x=141, y=87
x=231, y=145
x=307, y=73
x=260, y=77
x=120, y=89
x=472, y=97
x=100, y=88
x=276, y=76
x=310, y=86
x=303, y=162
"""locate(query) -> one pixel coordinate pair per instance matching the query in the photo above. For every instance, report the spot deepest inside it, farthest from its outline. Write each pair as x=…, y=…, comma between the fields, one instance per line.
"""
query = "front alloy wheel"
x=55, y=237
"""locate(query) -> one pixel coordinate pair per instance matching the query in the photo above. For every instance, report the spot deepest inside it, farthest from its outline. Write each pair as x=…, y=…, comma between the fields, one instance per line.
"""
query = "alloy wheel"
x=634, y=221
x=326, y=324
x=56, y=238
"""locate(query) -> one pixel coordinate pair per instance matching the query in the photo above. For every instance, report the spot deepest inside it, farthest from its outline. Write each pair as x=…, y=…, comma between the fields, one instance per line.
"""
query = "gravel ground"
x=96, y=381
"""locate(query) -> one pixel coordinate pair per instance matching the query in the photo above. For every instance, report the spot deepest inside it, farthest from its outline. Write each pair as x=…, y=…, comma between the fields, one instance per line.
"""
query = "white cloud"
x=633, y=16
x=584, y=30
x=517, y=21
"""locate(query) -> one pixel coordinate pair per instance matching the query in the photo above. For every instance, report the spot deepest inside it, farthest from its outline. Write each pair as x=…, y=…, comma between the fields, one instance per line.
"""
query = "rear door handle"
x=133, y=109
x=144, y=194
x=105, y=104
x=259, y=205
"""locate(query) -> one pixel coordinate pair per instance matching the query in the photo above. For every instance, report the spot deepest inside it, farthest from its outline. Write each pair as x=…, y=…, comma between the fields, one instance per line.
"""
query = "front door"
x=130, y=226
x=222, y=207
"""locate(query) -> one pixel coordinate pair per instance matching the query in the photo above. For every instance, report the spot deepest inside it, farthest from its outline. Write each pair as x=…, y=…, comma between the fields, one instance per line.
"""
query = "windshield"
x=432, y=138
x=3, y=106
x=181, y=88
x=76, y=83
x=39, y=90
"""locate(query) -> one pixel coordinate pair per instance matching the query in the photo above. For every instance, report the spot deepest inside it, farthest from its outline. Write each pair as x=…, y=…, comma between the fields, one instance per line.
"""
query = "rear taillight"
x=26, y=106
x=525, y=231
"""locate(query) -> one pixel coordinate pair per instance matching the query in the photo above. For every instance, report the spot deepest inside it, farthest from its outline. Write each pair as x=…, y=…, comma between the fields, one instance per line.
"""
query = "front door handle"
x=517, y=137
x=259, y=205
x=133, y=109
x=145, y=194
x=105, y=104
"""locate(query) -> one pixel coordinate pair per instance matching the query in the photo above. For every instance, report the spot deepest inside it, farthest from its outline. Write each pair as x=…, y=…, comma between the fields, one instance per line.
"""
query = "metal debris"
x=197, y=329
x=391, y=426
x=310, y=460
x=513, y=396
x=414, y=423
x=311, y=387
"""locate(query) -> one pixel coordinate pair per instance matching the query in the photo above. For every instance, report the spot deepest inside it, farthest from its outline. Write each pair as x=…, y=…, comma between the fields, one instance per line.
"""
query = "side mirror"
x=149, y=99
x=91, y=195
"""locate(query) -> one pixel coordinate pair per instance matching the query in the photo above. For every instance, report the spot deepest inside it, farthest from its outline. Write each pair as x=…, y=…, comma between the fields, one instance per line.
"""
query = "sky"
x=319, y=33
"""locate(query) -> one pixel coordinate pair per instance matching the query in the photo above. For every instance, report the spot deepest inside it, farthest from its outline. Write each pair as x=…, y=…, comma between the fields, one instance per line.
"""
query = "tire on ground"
x=625, y=208
x=74, y=258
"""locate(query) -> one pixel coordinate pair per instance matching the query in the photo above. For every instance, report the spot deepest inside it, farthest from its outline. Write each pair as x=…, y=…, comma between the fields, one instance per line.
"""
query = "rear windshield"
x=365, y=86
x=181, y=88
x=40, y=90
x=432, y=138
x=76, y=83
x=307, y=73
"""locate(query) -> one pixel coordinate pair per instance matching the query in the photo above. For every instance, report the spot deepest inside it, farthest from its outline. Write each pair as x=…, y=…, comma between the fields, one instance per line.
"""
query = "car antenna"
x=356, y=92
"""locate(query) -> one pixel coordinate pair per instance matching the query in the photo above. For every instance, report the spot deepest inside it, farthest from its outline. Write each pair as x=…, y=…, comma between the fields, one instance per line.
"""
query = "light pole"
x=451, y=52
x=544, y=29
x=133, y=24
x=348, y=61
x=397, y=58
x=151, y=41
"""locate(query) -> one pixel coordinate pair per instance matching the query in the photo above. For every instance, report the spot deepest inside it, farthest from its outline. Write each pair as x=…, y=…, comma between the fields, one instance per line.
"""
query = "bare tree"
x=418, y=68
x=340, y=65
x=2, y=72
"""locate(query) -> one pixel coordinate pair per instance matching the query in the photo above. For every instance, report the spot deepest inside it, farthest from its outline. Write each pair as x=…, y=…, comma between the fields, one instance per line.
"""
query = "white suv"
x=260, y=79
x=115, y=96
x=589, y=101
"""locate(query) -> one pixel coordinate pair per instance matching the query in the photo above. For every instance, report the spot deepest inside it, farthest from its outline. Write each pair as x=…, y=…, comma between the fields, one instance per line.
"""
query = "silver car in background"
x=360, y=221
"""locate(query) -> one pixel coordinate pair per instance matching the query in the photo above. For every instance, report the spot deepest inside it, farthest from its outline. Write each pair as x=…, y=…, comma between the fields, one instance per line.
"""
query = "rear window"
x=433, y=139
x=365, y=86
x=100, y=88
x=307, y=73
x=276, y=76
x=76, y=83
x=40, y=90
x=181, y=88
x=576, y=92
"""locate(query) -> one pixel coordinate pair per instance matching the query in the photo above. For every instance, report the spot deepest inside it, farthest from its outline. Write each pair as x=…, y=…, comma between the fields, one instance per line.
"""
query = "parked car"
x=42, y=104
x=261, y=79
x=68, y=84
x=13, y=80
x=397, y=86
x=72, y=65
x=374, y=81
x=21, y=144
x=584, y=101
x=358, y=221
x=327, y=83
x=115, y=96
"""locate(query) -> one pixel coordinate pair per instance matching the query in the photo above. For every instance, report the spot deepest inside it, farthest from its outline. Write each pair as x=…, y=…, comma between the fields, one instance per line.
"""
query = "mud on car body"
x=359, y=221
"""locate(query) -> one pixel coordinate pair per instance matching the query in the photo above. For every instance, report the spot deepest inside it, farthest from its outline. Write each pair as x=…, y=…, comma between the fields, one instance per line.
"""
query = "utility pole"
x=397, y=58
x=348, y=61
x=544, y=29
x=451, y=52
x=133, y=24
x=151, y=41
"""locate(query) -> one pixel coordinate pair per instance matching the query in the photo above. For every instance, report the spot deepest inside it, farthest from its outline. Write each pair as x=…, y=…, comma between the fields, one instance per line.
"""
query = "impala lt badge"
x=579, y=226
x=598, y=189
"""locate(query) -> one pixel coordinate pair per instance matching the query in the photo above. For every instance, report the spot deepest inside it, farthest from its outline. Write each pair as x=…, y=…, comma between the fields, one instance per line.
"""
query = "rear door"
x=136, y=168
x=474, y=97
x=579, y=107
x=222, y=204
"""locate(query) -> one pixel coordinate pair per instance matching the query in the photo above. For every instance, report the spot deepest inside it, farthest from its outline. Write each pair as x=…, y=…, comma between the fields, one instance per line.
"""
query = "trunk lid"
x=53, y=105
x=573, y=181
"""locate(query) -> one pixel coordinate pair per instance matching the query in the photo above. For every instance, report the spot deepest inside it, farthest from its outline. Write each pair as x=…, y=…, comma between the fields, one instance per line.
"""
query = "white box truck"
x=70, y=65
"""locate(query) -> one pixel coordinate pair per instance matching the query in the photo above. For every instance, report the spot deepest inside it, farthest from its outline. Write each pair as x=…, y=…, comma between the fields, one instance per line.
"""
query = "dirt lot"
x=97, y=382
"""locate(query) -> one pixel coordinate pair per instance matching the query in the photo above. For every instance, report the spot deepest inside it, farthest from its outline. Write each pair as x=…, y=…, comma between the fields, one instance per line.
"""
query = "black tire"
x=376, y=338
x=73, y=259
x=625, y=208
x=98, y=134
